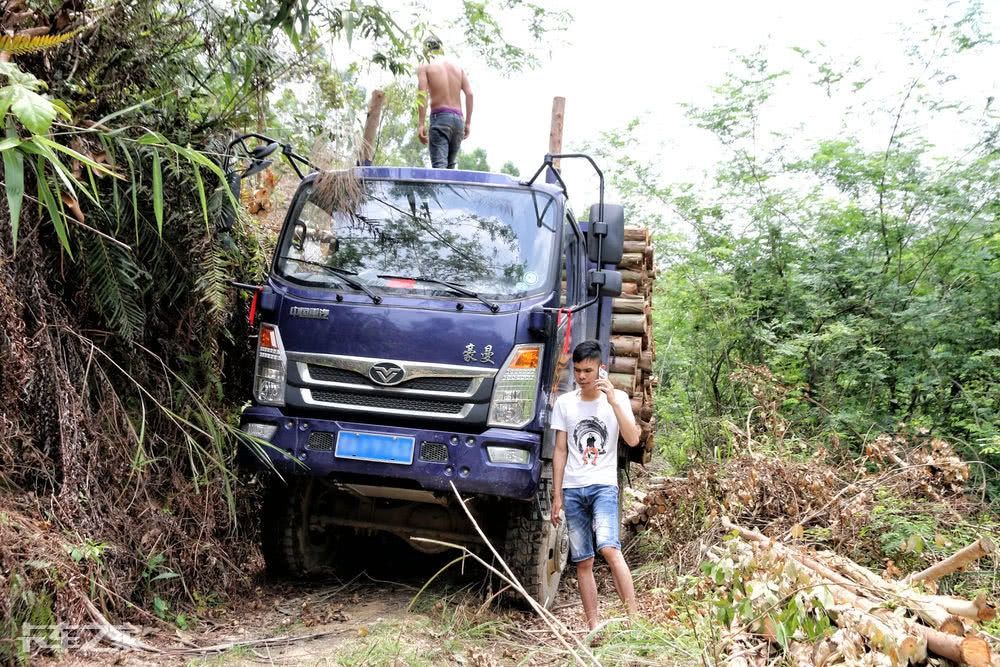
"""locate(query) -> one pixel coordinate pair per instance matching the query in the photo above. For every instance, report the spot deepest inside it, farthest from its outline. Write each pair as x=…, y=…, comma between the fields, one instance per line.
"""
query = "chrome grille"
x=330, y=374
x=433, y=452
x=320, y=442
x=455, y=385
x=387, y=402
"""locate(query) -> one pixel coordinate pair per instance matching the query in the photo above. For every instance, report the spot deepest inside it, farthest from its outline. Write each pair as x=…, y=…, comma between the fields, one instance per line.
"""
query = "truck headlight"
x=269, y=374
x=516, y=387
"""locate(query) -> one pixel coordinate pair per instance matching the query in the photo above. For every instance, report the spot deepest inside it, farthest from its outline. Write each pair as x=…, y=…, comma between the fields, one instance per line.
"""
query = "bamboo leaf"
x=42, y=147
x=47, y=198
x=10, y=142
x=64, y=174
x=349, y=26
x=94, y=188
x=13, y=169
x=135, y=179
x=122, y=112
x=201, y=191
x=157, y=192
x=153, y=139
x=76, y=155
x=61, y=108
x=203, y=160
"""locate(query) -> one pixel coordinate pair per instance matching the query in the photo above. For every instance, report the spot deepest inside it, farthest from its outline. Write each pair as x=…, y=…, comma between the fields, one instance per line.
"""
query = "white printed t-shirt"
x=591, y=437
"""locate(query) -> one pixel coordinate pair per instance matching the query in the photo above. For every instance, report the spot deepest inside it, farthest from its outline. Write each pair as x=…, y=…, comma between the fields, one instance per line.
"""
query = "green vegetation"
x=812, y=297
x=473, y=160
x=125, y=348
x=862, y=273
x=651, y=643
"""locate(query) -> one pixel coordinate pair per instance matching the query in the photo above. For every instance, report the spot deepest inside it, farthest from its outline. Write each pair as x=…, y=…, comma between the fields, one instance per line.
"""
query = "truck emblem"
x=386, y=373
x=309, y=313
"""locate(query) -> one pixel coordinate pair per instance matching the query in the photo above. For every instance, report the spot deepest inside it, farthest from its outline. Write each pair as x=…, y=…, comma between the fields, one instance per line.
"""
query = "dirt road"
x=384, y=614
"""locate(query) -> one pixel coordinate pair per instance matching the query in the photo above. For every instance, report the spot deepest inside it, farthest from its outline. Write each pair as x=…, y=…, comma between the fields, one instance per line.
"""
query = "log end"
x=975, y=651
x=913, y=650
x=953, y=625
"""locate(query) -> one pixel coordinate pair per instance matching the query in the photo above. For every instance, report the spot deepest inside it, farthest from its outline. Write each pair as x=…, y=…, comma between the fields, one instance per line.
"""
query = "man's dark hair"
x=432, y=44
x=588, y=349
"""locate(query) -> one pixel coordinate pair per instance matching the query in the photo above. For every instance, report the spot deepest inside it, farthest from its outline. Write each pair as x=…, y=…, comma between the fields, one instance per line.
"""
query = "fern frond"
x=19, y=45
x=212, y=282
x=114, y=279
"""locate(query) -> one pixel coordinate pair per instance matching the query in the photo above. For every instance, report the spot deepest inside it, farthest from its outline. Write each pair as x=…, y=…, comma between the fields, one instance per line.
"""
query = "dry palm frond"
x=339, y=190
x=19, y=45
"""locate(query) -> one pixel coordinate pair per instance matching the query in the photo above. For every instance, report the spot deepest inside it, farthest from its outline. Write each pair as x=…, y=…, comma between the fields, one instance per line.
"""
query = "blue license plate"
x=374, y=447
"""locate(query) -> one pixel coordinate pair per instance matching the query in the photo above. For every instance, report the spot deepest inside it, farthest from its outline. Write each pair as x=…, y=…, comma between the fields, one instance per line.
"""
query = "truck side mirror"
x=605, y=283
x=610, y=224
x=263, y=150
x=255, y=168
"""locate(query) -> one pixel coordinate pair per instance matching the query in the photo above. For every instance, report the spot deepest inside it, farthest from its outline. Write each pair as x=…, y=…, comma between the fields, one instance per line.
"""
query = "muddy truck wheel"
x=293, y=541
x=534, y=549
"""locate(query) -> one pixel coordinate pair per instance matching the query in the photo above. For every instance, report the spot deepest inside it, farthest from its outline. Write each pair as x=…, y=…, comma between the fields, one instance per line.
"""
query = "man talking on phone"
x=587, y=422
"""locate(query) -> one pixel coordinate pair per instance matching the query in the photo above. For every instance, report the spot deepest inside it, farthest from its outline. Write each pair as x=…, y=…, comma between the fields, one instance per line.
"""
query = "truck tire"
x=534, y=549
x=292, y=543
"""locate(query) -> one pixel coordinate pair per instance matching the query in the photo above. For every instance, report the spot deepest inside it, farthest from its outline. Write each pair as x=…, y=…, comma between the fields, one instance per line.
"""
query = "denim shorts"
x=591, y=513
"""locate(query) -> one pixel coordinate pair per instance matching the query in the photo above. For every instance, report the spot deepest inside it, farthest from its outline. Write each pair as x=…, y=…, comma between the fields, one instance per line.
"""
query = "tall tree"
x=474, y=160
x=860, y=275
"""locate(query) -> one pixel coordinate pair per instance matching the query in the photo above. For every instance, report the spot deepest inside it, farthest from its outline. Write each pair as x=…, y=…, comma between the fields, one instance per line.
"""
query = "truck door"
x=574, y=270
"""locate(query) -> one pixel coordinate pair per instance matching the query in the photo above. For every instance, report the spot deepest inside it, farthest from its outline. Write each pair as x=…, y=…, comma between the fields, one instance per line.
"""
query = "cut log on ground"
x=864, y=597
x=982, y=547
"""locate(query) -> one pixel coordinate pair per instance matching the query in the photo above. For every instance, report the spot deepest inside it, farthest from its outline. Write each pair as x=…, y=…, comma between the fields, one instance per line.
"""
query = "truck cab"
x=414, y=331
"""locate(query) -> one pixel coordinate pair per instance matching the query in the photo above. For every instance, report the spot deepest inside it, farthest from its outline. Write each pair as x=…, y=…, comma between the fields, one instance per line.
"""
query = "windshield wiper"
x=454, y=287
x=344, y=276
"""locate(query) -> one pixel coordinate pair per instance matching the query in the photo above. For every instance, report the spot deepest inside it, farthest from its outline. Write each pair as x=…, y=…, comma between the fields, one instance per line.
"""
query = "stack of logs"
x=632, y=332
x=644, y=507
x=896, y=618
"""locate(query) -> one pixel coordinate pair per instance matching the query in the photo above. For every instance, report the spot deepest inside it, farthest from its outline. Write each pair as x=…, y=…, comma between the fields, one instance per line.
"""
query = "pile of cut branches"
x=789, y=595
x=806, y=561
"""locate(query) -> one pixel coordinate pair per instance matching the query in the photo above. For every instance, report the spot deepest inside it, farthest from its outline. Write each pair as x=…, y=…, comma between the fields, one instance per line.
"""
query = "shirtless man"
x=441, y=80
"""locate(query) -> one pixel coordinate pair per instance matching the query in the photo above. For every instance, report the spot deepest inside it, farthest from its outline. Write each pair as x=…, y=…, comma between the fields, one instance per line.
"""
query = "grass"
x=647, y=643
x=916, y=534
x=391, y=643
x=234, y=654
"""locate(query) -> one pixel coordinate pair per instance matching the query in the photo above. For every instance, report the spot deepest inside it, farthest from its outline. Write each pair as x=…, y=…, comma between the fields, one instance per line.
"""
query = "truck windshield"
x=400, y=236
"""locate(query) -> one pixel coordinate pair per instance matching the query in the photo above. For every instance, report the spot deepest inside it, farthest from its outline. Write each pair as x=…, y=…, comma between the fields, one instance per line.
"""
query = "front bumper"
x=466, y=463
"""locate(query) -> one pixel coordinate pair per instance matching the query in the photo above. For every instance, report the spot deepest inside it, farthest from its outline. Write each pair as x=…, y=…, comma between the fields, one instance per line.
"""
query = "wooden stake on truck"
x=556, y=129
x=371, y=127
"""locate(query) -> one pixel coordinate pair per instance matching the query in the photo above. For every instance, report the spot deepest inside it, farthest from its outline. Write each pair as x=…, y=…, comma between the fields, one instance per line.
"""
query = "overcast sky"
x=643, y=58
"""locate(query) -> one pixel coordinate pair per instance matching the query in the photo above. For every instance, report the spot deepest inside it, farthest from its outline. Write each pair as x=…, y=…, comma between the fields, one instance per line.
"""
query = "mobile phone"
x=602, y=373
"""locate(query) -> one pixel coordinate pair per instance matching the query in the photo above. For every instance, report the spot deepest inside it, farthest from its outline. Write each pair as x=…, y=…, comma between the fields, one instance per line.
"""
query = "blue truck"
x=415, y=329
